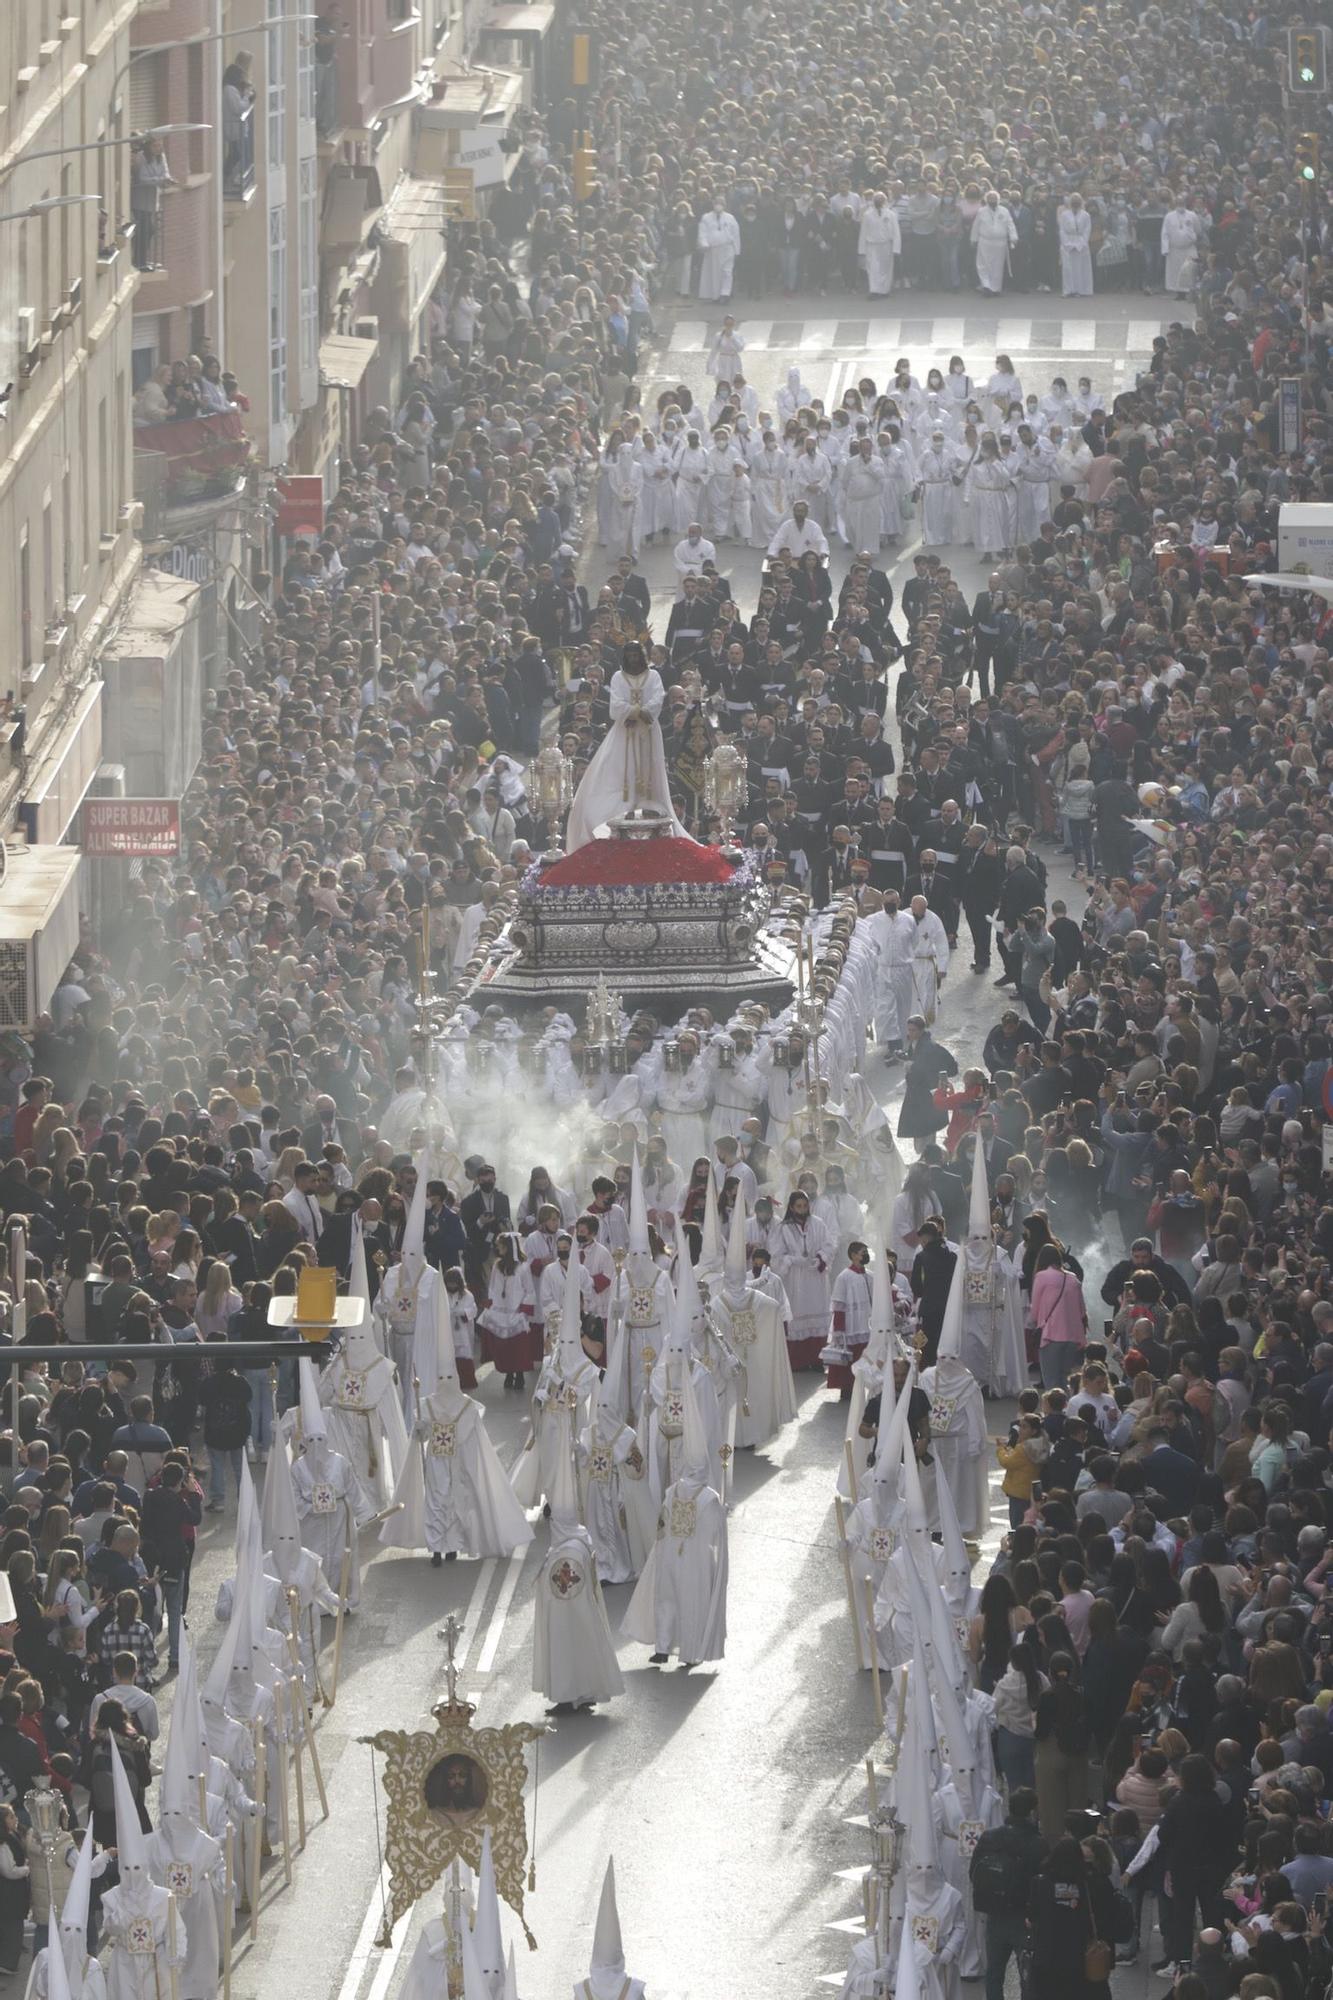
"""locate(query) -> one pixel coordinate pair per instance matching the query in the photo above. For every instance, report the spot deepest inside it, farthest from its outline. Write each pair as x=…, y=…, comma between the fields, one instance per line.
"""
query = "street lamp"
x=101, y=145
x=48, y=202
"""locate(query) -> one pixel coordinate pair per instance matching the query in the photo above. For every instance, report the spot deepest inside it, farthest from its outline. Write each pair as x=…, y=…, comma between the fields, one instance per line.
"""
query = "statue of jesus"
x=629, y=767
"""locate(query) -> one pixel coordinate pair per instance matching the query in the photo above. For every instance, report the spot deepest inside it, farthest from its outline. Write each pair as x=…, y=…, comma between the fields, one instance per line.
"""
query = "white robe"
x=936, y=1927
x=991, y=490
x=753, y=1328
x=680, y=1603
x=364, y=1418
x=325, y=1490
x=625, y=491
x=879, y=241
x=1180, y=242
x=190, y=1864
x=768, y=496
x=612, y=1488
x=573, y=1656
x=629, y=766
x=803, y=1259
x=993, y=1347
x=134, y=1925
x=719, y=238
x=456, y=1499
x=958, y=1442
x=930, y=962
x=1075, y=226
x=862, y=511
x=656, y=508
x=935, y=471
x=691, y=470
x=993, y=236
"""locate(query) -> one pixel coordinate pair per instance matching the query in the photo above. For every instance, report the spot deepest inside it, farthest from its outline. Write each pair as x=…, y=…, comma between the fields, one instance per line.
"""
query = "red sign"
x=131, y=826
x=301, y=505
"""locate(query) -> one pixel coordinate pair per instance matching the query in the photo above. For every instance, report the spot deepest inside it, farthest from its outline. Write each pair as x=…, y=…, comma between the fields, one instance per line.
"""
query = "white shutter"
x=147, y=86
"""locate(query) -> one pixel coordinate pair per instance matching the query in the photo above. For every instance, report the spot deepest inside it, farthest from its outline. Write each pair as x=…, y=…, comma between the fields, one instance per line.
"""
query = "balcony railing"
x=189, y=459
x=238, y=161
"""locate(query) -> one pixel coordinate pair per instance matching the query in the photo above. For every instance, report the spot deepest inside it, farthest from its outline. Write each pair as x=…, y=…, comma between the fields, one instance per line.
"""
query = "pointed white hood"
x=511, y=1975
x=78, y=1896
x=689, y=1307
x=186, y=1708
x=951, y=1332
x=978, y=1214
x=312, y=1410
x=914, y=1784
x=486, y=1923
x=737, y=1266
x=57, y=1972
x=280, y=1526
x=412, y=1254
x=694, y=1464
x=131, y=1851
x=638, y=1207
x=179, y=1792
x=474, y=1980
x=710, y=1255
x=570, y=1358
x=883, y=1325
x=359, y=1348
x=608, y=1952
x=957, y=1568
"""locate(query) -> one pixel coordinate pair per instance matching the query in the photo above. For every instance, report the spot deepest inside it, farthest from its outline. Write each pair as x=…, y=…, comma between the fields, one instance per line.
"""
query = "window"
x=25, y=601
x=48, y=565
x=277, y=94
x=309, y=227
x=305, y=75
x=145, y=349
x=277, y=316
x=147, y=82
x=71, y=573
x=105, y=511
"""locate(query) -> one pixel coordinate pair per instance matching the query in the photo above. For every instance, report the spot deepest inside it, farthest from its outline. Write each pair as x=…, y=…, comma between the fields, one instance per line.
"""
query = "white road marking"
x=501, y=1611
x=365, y=1939
x=948, y=333
x=1141, y=333
x=688, y=336
x=817, y=334
x=388, y=1964
x=472, y=1616
x=755, y=333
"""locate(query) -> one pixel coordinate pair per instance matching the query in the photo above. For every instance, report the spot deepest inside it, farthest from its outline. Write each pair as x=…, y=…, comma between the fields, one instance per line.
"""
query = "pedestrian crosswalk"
x=884, y=338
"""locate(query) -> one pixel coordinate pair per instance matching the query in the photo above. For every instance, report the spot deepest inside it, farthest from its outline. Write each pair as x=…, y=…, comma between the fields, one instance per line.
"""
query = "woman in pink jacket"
x=1061, y=1319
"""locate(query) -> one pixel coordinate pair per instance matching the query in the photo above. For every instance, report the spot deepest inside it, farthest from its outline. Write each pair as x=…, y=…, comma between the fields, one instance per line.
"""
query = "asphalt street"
x=730, y=1796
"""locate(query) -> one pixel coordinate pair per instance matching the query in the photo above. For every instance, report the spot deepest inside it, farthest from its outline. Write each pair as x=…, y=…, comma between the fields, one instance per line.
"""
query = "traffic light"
x=1307, y=156
x=1307, y=63
x=585, y=168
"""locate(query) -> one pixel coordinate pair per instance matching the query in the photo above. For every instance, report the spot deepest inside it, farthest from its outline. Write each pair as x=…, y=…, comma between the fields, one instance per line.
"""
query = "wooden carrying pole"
x=851, y=1587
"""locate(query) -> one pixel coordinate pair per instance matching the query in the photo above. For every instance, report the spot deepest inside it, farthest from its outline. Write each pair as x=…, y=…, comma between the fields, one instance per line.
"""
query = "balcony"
x=176, y=266
x=238, y=166
x=188, y=460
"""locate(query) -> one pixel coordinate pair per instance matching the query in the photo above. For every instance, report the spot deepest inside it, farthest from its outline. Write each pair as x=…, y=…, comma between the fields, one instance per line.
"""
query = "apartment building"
x=69, y=553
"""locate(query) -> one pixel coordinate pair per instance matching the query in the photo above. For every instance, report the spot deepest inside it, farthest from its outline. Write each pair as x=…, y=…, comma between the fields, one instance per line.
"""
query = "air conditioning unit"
x=26, y=331
x=367, y=328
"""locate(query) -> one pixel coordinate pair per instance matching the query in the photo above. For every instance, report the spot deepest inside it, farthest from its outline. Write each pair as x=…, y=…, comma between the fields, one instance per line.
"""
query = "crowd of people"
x=230, y=1082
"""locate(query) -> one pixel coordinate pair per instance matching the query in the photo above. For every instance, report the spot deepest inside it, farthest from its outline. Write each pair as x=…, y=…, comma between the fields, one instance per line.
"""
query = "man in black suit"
x=985, y=633
x=485, y=1215
x=977, y=880
x=1020, y=891
x=337, y=1235
x=931, y=882
x=326, y=1128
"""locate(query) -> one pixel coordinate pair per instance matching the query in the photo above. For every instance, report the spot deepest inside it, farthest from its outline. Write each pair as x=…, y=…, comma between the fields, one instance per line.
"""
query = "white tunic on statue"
x=628, y=767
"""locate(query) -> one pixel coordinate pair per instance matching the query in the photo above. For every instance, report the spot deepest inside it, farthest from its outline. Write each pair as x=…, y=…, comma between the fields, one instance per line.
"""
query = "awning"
x=412, y=252
x=518, y=20
x=344, y=359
